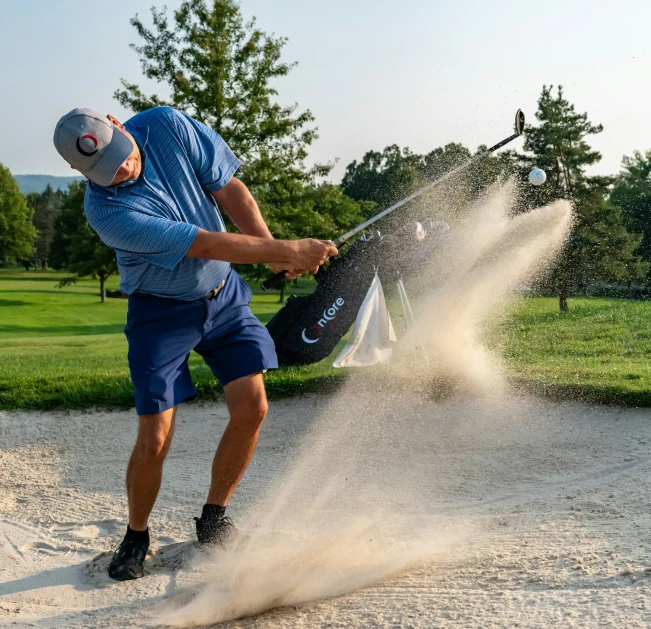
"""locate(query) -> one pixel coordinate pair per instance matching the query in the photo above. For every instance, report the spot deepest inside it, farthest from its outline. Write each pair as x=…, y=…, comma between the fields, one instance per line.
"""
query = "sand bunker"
x=528, y=513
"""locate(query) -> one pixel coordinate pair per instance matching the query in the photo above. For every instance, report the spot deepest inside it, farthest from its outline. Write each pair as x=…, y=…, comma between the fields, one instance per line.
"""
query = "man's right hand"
x=310, y=255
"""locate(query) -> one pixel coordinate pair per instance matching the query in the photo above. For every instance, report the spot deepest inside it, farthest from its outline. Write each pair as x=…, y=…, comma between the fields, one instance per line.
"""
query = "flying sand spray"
x=356, y=502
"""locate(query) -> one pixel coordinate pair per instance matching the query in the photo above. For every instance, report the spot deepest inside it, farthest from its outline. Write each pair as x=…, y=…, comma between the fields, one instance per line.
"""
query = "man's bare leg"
x=145, y=470
x=247, y=405
x=144, y=475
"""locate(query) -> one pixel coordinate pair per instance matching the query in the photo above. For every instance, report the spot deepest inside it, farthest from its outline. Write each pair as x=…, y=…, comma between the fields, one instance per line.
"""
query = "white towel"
x=373, y=333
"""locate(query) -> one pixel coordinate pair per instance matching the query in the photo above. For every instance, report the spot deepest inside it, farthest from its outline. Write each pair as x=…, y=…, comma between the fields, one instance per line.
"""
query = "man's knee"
x=250, y=414
x=247, y=402
x=153, y=448
x=155, y=437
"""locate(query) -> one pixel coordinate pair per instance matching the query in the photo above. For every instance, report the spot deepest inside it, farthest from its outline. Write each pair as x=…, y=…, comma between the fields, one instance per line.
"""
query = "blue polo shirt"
x=152, y=221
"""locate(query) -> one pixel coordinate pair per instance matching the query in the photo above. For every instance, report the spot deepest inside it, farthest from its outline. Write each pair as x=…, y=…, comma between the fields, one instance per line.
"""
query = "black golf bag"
x=307, y=329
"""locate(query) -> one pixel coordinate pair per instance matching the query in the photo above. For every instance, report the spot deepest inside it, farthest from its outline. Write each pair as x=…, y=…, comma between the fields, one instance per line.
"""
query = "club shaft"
x=422, y=190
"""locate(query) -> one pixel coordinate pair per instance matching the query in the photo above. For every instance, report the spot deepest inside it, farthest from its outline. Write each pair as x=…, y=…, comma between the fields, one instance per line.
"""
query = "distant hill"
x=38, y=183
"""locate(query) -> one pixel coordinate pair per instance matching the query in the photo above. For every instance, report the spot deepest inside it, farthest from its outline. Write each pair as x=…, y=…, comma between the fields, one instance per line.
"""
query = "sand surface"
x=413, y=513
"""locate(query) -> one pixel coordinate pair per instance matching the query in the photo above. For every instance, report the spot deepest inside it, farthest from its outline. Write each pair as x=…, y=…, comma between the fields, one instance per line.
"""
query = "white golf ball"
x=537, y=177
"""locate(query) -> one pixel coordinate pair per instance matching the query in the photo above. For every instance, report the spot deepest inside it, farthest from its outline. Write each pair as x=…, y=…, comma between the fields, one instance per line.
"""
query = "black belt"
x=211, y=295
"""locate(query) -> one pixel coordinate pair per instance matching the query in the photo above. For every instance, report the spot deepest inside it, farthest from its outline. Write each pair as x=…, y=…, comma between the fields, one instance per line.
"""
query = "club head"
x=519, y=121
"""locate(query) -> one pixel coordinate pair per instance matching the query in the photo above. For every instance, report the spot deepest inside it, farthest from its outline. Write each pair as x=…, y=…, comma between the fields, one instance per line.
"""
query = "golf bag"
x=307, y=329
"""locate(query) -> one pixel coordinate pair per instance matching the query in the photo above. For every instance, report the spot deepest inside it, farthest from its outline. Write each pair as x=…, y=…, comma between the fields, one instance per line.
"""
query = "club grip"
x=273, y=281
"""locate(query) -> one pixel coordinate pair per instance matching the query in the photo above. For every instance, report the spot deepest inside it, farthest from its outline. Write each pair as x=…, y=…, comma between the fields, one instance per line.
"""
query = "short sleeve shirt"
x=152, y=221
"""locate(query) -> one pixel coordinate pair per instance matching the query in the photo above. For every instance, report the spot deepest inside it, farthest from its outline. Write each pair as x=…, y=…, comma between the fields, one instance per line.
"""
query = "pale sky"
x=418, y=73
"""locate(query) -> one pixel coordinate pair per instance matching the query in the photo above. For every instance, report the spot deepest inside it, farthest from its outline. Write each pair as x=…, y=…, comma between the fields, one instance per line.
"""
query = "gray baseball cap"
x=92, y=144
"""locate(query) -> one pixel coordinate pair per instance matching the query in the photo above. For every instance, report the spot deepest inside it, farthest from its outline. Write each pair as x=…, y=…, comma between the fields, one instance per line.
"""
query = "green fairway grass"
x=600, y=351
x=63, y=348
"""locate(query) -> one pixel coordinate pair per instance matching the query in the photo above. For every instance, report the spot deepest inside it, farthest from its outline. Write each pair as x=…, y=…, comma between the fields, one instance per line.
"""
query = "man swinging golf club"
x=154, y=186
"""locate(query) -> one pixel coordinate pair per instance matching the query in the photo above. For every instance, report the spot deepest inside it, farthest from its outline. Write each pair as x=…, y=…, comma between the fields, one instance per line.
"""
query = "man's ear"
x=115, y=121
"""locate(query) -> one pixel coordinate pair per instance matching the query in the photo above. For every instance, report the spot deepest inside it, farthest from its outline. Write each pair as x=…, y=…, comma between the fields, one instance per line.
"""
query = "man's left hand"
x=291, y=274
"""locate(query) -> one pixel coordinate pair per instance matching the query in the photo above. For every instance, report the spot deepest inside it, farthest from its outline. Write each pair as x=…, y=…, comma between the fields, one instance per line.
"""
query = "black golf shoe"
x=215, y=531
x=129, y=559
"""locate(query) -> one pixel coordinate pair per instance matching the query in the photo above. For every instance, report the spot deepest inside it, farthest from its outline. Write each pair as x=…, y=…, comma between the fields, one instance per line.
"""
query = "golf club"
x=519, y=126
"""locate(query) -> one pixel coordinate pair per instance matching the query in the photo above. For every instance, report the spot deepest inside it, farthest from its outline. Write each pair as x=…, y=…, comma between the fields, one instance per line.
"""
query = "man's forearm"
x=242, y=249
x=236, y=201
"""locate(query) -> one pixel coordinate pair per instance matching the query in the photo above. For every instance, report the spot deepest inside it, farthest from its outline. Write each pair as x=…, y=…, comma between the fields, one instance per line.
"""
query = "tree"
x=220, y=71
x=599, y=248
x=632, y=192
x=384, y=177
x=559, y=144
x=45, y=206
x=393, y=174
x=17, y=233
x=75, y=247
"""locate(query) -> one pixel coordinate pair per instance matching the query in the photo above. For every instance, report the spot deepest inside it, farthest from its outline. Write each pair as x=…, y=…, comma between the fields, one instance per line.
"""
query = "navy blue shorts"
x=162, y=333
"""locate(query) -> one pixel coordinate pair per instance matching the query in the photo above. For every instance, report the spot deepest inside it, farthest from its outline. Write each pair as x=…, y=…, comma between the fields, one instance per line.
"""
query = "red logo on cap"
x=84, y=152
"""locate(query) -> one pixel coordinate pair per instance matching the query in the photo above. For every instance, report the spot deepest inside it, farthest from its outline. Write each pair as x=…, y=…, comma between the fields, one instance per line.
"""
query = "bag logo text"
x=328, y=315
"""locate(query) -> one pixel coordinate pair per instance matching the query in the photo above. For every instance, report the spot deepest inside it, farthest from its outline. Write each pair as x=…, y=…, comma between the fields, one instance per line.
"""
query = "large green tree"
x=599, y=248
x=75, y=247
x=558, y=144
x=388, y=176
x=45, y=206
x=17, y=233
x=223, y=72
x=632, y=192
